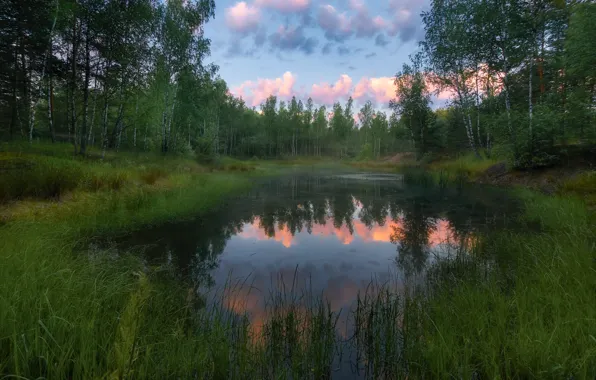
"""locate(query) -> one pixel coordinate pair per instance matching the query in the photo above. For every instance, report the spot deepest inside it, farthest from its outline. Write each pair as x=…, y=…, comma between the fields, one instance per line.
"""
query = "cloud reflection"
x=378, y=232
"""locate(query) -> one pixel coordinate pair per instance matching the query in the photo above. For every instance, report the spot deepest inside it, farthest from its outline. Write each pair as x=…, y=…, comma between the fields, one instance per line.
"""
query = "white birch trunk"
x=530, y=108
x=43, y=72
x=90, y=134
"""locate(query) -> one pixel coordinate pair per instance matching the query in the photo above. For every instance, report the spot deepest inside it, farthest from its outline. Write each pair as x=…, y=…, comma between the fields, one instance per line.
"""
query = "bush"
x=44, y=178
x=366, y=153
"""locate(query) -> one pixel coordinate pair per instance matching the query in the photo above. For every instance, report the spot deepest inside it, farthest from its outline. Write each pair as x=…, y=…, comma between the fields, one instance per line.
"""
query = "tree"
x=413, y=103
x=365, y=116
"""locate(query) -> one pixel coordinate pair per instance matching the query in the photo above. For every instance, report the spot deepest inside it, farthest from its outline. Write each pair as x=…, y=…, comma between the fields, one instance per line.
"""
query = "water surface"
x=332, y=234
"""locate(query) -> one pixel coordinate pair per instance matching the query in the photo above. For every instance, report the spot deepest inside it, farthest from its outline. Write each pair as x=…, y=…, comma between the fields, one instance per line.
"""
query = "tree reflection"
x=290, y=206
x=411, y=235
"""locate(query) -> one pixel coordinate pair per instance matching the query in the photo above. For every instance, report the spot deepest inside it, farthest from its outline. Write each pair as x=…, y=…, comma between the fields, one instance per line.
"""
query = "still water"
x=330, y=233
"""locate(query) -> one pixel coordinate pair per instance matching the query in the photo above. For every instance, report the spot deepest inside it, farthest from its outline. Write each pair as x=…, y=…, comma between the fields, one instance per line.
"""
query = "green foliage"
x=413, y=104
x=366, y=152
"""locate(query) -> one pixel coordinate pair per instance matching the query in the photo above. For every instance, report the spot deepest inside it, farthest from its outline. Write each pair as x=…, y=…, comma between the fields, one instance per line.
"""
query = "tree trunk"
x=15, y=104
x=134, y=138
x=26, y=92
x=43, y=70
x=83, y=150
x=73, y=80
x=164, y=144
x=117, y=131
x=478, y=107
x=104, y=128
x=145, y=138
x=51, y=108
x=169, y=125
x=541, y=63
x=530, y=108
x=90, y=134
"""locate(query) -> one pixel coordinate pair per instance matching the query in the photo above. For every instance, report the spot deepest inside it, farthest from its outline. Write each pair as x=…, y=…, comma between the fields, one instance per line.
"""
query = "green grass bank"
x=521, y=306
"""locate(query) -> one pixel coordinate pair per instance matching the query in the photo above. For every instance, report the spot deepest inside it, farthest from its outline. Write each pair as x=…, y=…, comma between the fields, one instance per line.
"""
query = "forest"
x=130, y=75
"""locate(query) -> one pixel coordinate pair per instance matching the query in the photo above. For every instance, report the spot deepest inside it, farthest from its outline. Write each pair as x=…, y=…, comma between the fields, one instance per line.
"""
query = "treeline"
x=293, y=128
x=522, y=74
x=131, y=75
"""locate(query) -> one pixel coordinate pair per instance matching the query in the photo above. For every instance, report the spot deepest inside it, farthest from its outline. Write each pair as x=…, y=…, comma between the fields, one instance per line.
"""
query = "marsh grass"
x=582, y=186
x=467, y=165
x=51, y=171
x=534, y=318
x=71, y=311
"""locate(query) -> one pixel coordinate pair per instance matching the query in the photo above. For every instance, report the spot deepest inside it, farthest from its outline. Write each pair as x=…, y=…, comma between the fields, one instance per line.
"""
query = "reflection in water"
x=328, y=235
x=387, y=230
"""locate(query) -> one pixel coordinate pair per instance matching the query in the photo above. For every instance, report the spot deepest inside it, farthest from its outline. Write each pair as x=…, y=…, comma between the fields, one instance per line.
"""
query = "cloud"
x=401, y=19
x=243, y=17
x=342, y=50
x=260, y=37
x=379, y=90
x=292, y=38
x=236, y=49
x=336, y=26
x=327, y=48
x=284, y=6
x=364, y=25
x=328, y=94
x=381, y=40
x=256, y=92
x=309, y=45
x=370, y=55
x=405, y=18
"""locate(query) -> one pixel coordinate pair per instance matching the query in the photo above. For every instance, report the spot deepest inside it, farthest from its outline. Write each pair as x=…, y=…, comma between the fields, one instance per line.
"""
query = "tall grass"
x=534, y=319
x=68, y=310
x=468, y=165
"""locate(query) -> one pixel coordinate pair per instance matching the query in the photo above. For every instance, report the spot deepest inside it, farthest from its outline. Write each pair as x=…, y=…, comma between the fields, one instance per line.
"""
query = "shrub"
x=365, y=153
x=40, y=178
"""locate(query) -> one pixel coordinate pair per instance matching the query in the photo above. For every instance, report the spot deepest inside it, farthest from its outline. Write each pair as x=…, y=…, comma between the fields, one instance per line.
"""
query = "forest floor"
x=94, y=313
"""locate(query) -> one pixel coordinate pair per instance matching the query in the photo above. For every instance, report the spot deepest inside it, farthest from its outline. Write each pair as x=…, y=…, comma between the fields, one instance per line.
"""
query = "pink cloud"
x=337, y=26
x=381, y=89
x=284, y=6
x=243, y=17
x=357, y=5
x=328, y=94
x=255, y=93
x=380, y=22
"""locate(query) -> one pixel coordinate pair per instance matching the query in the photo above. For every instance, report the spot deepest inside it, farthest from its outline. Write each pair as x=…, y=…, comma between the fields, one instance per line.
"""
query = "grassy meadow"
x=72, y=310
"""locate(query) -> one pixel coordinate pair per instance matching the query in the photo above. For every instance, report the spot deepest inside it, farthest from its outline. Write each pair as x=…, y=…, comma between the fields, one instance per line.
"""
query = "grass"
x=535, y=319
x=68, y=312
x=582, y=186
x=468, y=165
x=52, y=172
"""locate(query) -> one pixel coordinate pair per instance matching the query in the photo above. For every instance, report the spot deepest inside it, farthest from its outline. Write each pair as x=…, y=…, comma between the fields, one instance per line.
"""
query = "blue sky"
x=326, y=49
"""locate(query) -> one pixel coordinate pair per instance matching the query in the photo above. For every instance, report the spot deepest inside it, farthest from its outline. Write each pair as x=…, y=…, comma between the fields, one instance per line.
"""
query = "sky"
x=324, y=49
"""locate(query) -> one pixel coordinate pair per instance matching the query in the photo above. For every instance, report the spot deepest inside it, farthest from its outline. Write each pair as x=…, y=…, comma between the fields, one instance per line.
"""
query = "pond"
x=326, y=233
